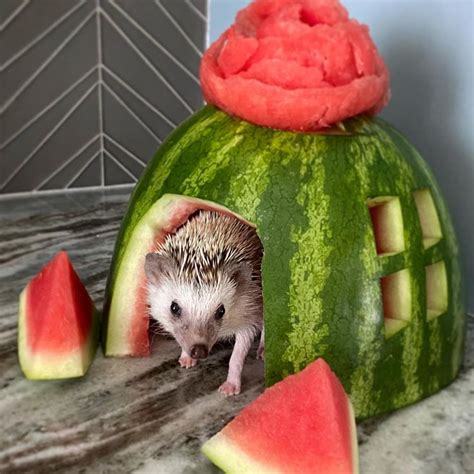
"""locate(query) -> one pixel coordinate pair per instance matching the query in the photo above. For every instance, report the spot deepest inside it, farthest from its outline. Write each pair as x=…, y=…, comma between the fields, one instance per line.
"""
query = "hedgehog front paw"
x=229, y=388
x=186, y=361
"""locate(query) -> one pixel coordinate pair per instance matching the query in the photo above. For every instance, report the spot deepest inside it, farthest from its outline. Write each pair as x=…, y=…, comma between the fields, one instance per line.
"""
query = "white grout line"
x=120, y=165
x=41, y=36
x=178, y=27
x=46, y=109
x=48, y=136
x=147, y=62
x=99, y=93
x=208, y=23
x=67, y=162
x=49, y=192
x=15, y=13
x=130, y=89
x=81, y=170
x=131, y=112
x=125, y=150
x=21, y=89
x=196, y=10
x=145, y=33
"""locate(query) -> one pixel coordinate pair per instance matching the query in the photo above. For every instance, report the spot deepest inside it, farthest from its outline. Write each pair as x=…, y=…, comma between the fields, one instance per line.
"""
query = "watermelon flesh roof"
x=58, y=324
x=297, y=65
x=303, y=424
x=128, y=319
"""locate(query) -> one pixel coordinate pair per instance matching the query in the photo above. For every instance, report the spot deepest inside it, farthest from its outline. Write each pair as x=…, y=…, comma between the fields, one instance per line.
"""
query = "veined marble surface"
x=148, y=415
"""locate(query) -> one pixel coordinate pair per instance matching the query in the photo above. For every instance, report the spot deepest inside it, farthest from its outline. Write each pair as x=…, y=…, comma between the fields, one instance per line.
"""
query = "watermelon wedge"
x=58, y=324
x=303, y=424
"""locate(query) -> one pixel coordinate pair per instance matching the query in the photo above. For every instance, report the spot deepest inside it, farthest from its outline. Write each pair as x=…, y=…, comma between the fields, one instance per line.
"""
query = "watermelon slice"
x=303, y=424
x=58, y=324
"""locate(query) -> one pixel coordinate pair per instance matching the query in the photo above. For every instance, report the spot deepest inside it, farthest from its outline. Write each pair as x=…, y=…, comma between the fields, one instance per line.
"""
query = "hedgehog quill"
x=204, y=285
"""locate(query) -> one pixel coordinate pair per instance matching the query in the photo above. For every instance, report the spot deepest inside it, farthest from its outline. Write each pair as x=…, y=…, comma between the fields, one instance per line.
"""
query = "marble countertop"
x=148, y=415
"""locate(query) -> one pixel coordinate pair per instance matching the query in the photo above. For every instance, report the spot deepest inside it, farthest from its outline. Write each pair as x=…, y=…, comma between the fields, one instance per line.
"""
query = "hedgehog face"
x=194, y=316
x=195, y=313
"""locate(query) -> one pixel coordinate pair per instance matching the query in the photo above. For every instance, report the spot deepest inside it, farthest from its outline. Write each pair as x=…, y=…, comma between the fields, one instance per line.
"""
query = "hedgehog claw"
x=229, y=389
x=186, y=361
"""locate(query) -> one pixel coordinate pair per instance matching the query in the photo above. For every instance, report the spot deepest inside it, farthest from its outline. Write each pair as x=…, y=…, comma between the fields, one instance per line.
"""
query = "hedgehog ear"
x=241, y=273
x=155, y=266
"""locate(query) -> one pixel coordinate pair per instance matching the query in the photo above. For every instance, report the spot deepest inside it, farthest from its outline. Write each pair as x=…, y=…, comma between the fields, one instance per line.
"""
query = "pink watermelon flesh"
x=303, y=424
x=57, y=323
x=298, y=65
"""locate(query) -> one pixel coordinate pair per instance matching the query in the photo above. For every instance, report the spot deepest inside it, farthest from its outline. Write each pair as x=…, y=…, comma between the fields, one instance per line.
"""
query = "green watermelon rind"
x=44, y=366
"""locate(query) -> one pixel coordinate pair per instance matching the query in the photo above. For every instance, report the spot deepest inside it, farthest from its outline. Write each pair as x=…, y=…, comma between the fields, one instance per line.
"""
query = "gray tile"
x=125, y=157
x=187, y=17
x=71, y=169
x=11, y=9
x=90, y=175
x=21, y=72
x=20, y=148
x=121, y=127
x=155, y=19
x=114, y=174
x=201, y=5
x=35, y=21
x=79, y=128
x=139, y=61
x=151, y=116
x=145, y=71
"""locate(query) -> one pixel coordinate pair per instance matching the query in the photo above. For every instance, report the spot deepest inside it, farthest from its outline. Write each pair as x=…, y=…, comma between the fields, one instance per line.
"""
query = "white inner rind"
x=354, y=442
x=49, y=365
x=392, y=326
x=131, y=271
x=230, y=458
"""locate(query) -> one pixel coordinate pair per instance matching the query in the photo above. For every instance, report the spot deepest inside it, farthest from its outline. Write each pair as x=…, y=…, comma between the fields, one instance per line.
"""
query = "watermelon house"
x=361, y=262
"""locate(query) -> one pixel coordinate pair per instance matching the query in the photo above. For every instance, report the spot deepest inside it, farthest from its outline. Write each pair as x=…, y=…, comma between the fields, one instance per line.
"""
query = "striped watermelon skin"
x=307, y=193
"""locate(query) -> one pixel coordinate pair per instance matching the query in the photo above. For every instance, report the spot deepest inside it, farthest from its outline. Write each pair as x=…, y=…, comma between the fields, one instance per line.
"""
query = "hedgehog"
x=204, y=285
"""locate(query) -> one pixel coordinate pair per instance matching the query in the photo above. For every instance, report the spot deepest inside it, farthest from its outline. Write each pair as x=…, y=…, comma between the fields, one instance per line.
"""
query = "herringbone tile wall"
x=90, y=88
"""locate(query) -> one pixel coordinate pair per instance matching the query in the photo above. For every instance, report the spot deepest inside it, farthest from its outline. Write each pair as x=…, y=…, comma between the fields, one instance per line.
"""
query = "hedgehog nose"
x=199, y=351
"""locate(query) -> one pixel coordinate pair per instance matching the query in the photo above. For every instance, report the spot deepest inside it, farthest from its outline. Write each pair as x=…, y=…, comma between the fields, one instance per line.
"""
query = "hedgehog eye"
x=175, y=309
x=219, y=312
